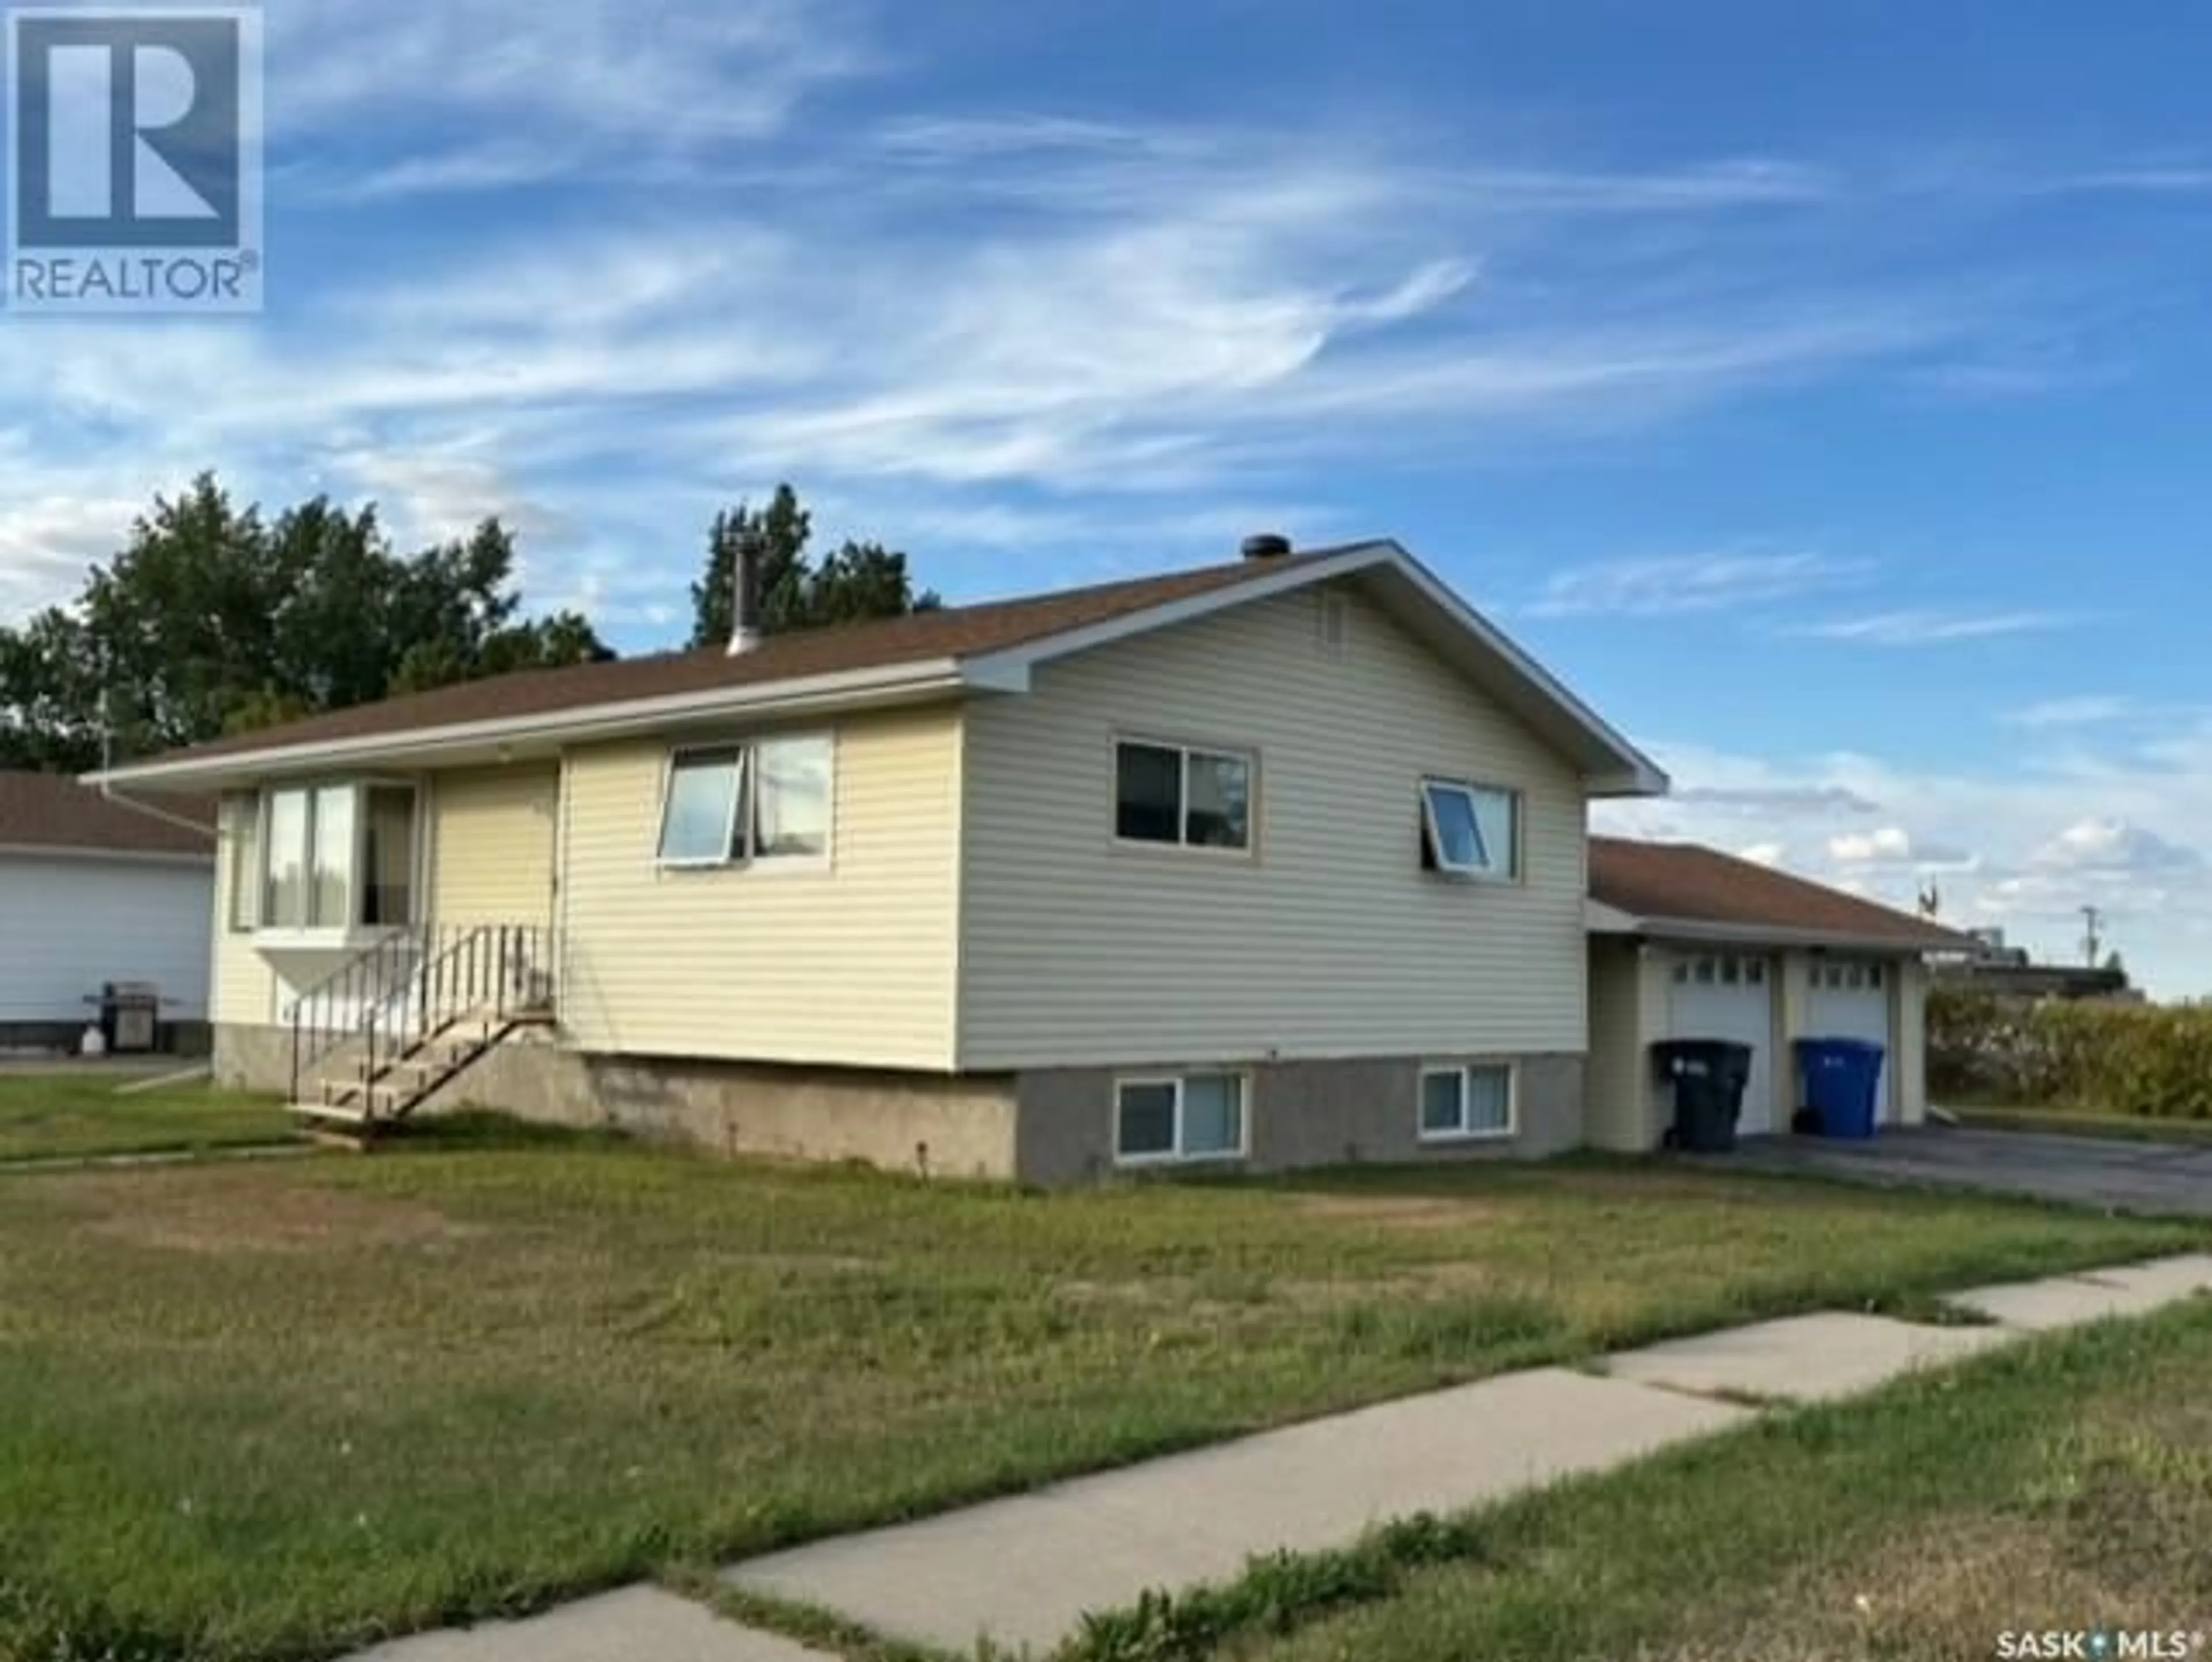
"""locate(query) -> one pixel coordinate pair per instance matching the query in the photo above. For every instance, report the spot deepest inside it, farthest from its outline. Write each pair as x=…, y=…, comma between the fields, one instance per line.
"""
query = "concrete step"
x=341, y=1113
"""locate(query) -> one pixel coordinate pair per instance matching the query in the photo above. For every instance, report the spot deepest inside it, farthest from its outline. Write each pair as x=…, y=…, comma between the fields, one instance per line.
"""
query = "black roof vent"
x=1267, y=546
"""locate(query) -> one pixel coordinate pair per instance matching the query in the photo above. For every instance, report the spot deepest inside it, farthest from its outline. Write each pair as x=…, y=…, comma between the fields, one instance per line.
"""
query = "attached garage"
x=1688, y=943
x=1729, y=994
x=1854, y=998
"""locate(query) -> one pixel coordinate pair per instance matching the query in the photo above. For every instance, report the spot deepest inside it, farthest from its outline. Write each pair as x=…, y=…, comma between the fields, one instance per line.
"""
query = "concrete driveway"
x=2168, y=1178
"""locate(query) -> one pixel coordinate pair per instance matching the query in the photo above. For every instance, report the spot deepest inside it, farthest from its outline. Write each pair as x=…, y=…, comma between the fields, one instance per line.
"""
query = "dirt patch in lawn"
x=2106, y=1532
x=1944, y=1592
x=1418, y=1212
x=213, y=1217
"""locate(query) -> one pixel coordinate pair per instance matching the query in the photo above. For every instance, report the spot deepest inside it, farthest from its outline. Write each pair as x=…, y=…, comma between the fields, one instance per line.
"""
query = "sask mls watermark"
x=134, y=152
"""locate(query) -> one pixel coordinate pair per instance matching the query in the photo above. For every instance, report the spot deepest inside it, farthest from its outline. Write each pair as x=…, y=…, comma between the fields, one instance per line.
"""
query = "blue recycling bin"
x=1843, y=1085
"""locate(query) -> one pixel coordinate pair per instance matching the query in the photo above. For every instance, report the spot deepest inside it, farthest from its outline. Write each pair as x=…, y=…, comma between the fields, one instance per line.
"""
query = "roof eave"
x=1644, y=780
x=881, y=687
x=1707, y=929
x=90, y=855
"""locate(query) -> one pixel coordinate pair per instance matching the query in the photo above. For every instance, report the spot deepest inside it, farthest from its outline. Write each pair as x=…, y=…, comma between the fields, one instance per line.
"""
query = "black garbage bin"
x=1709, y=1076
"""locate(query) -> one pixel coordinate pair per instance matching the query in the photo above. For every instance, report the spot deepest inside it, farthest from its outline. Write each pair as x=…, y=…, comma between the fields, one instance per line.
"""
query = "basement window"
x=1179, y=1117
x=768, y=801
x=1469, y=1103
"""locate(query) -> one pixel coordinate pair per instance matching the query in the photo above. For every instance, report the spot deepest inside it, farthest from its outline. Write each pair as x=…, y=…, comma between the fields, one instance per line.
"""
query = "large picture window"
x=1182, y=796
x=1470, y=830
x=336, y=857
x=739, y=804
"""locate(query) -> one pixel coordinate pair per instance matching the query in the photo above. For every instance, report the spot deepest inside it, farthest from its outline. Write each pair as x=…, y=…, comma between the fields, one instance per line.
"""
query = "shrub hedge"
x=2140, y=1060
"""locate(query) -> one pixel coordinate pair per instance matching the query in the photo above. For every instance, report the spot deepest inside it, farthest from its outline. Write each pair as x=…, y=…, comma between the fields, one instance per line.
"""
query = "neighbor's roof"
x=48, y=811
x=986, y=647
x=1680, y=888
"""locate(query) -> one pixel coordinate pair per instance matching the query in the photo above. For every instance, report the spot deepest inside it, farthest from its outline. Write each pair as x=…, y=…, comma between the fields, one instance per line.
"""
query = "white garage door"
x=1730, y=996
x=1850, y=999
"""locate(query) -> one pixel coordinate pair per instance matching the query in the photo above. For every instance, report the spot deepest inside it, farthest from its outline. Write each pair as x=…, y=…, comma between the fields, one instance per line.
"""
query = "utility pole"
x=2092, y=938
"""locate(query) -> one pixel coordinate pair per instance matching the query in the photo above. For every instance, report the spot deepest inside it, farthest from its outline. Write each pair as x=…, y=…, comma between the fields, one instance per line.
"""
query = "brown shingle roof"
x=954, y=632
x=45, y=810
x=1681, y=882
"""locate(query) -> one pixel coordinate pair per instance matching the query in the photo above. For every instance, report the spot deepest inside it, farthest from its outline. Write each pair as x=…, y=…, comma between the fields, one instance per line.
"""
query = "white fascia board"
x=850, y=689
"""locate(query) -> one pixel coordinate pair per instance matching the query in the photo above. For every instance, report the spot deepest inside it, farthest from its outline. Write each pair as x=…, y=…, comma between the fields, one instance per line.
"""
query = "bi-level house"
x=1282, y=861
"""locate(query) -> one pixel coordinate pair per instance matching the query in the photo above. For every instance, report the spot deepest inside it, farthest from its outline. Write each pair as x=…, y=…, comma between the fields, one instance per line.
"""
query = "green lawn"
x=2063, y=1486
x=268, y=1410
x=55, y=1116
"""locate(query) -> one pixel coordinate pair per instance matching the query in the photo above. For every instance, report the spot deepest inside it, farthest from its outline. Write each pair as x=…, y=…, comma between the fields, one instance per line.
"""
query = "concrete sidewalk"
x=1024, y=1571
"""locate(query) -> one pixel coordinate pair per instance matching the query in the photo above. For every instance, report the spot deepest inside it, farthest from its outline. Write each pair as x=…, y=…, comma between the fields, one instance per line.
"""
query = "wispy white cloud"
x=1937, y=629
x=1024, y=333
x=1666, y=585
x=2115, y=847
x=2087, y=711
x=406, y=89
x=1895, y=846
x=2184, y=179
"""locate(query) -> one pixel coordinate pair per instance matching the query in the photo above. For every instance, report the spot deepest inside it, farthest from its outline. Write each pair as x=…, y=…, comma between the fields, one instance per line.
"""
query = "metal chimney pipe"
x=745, y=599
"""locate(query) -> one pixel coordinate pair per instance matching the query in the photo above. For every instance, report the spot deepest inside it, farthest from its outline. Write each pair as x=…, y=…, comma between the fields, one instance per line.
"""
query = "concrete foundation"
x=1046, y=1127
x=1303, y=1114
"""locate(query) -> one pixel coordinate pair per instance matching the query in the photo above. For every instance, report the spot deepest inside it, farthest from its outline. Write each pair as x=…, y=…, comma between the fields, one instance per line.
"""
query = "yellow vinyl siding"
x=1908, y=1025
x=1330, y=941
x=491, y=844
x=1627, y=985
x=242, y=988
x=849, y=964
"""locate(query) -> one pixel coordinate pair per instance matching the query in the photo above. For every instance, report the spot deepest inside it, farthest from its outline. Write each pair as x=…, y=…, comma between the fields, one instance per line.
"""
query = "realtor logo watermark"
x=134, y=152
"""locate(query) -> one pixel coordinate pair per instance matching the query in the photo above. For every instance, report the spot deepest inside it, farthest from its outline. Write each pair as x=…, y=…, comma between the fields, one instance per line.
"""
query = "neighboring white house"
x=1282, y=862
x=94, y=891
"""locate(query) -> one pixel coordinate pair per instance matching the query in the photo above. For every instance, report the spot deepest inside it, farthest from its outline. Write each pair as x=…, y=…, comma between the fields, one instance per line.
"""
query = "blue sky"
x=1818, y=390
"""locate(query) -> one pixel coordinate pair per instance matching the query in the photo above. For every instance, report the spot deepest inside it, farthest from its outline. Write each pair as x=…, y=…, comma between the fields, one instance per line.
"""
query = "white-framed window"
x=241, y=828
x=1854, y=976
x=739, y=804
x=1171, y=1118
x=1182, y=796
x=1723, y=971
x=1470, y=831
x=1464, y=1102
x=328, y=856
